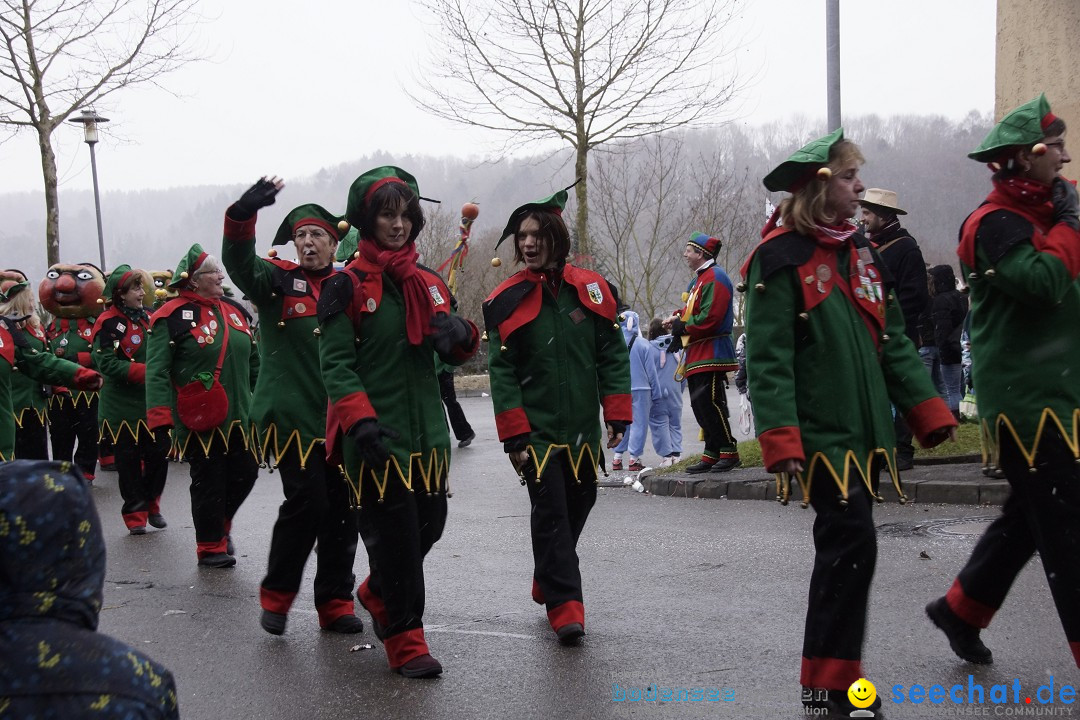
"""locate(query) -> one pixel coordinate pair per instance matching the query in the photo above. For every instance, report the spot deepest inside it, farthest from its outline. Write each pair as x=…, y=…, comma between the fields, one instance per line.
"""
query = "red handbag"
x=203, y=407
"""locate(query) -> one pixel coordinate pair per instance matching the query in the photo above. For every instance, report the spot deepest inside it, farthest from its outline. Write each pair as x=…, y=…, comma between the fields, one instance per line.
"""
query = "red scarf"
x=1029, y=197
x=400, y=265
x=833, y=236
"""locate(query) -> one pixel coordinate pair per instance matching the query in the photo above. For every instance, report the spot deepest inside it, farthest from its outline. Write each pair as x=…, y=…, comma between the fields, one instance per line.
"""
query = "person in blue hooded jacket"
x=644, y=388
x=665, y=413
x=52, y=572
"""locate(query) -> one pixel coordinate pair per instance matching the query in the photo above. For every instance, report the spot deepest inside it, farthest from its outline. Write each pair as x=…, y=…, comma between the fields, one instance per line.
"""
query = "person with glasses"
x=1021, y=252
x=202, y=364
x=288, y=412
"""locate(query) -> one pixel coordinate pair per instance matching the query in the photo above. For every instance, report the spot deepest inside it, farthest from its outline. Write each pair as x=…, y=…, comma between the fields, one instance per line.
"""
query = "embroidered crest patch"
x=371, y=305
x=299, y=286
x=436, y=295
x=595, y=293
x=187, y=315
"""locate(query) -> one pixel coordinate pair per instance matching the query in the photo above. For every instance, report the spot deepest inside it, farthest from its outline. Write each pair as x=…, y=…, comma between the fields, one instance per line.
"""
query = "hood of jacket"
x=52, y=553
x=943, y=278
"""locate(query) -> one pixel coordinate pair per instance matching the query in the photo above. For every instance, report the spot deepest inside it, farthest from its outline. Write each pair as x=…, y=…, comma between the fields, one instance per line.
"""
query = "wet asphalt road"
x=678, y=593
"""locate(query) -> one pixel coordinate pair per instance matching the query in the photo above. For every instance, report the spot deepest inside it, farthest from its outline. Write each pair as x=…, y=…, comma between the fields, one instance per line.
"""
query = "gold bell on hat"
x=484, y=337
x=184, y=275
x=824, y=173
x=271, y=253
x=343, y=225
x=496, y=262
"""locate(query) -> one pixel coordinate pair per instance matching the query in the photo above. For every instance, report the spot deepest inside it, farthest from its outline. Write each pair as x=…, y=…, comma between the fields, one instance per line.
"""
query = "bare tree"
x=640, y=219
x=59, y=56
x=585, y=72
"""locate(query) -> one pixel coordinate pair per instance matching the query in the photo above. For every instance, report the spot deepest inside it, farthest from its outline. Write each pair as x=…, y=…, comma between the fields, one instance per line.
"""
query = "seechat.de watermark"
x=1006, y=699
x=663, y=693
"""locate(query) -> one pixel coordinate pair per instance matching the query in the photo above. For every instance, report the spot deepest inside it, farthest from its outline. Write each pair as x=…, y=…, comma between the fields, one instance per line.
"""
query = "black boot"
x=963, y=637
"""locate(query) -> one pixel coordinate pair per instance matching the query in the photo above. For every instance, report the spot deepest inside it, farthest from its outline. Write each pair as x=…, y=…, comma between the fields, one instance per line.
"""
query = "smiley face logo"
x=862, y=693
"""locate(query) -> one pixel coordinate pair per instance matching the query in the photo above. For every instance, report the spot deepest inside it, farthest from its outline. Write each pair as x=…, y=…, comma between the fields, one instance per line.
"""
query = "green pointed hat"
x=10, y=288
x=188, y=265
x=115, y=280
x=1025, y=125
x=364, y=187
x=310, y=214
x=797, y=170
x=555, y=203
x=347, y=246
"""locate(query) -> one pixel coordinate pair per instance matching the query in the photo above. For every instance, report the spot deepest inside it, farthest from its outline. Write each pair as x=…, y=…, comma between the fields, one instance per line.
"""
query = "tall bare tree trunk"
x=581, y=192
x=52, y=201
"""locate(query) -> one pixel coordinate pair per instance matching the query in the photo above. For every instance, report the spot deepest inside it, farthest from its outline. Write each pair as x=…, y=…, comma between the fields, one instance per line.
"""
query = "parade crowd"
x=851, y=351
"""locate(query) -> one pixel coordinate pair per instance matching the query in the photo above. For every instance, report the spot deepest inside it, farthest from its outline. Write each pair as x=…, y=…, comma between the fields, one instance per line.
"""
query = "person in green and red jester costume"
x=18, y=357
x=556, y=358
x=29, y=397
x=704, y=327
x=203, y=338
x=1021, y=250
x=826, y=355
x=382, y=321
x=288, y=412
x=121, y=337
x=72, y=294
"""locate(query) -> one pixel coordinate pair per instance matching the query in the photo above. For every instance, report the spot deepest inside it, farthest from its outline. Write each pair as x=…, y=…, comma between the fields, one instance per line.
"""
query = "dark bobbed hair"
x=392, y=195
x=552, y=230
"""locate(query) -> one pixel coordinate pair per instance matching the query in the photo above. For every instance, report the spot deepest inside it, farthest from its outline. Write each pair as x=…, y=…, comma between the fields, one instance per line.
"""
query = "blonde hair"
x=805, y=208
x=22, y=304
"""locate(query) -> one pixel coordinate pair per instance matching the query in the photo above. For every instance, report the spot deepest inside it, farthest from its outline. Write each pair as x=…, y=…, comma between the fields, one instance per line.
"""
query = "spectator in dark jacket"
x=52, y=571
x=947, y=311
x=901, y=253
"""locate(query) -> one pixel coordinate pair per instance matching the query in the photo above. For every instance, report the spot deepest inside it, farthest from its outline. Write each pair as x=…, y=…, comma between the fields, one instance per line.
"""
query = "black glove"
x=1066, y=203
x=516, y=443
x=678, y=327
x=617, y=427
x=448, y=332
x=259, y=195
x=368, y=435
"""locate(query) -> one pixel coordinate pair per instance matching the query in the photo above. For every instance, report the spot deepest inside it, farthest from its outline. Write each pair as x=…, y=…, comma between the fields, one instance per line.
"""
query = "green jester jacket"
x=1025, y=319
x=556, y=359
x=289, y=406
x=71, y=339
x=19, y=357
x=371, y=370
x=826, y=355
x=185, y=336
x=120, y=355
x=28, y=395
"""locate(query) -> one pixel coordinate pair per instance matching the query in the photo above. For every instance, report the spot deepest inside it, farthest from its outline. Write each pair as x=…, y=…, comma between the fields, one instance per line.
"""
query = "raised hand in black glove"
x=259, y=195
x=678, y=327
x=448, y=332
x=1066, y=203
x=368, y=435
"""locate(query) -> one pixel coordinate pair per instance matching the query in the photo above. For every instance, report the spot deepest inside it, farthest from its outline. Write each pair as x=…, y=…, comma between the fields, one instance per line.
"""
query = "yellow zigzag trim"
x=22, y=411
x=114, y=435
x=805, y=479
x=294, y=437
x=434, y=475
x=80, y=396
x=992, y=439
x=575, y=464
x=224, y=434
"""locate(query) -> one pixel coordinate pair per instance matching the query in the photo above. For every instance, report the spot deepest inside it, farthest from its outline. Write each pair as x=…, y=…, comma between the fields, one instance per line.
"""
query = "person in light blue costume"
x=665, y=414
x=644, y=388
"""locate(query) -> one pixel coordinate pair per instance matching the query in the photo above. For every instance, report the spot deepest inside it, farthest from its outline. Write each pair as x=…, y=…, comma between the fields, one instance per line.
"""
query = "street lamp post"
x=89, y=120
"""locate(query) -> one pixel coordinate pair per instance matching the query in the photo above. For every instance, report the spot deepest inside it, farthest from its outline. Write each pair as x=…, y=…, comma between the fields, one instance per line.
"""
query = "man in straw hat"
x=288, y=409
x=826, y=357
x=1021, y=250
x=901, y=253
